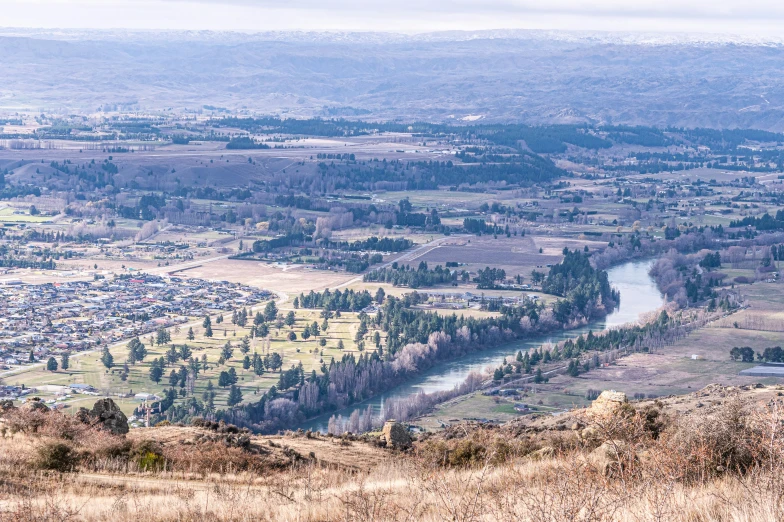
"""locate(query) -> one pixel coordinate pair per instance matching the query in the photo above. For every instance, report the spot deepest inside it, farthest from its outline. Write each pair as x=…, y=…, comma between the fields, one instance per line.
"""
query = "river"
x=639, y=295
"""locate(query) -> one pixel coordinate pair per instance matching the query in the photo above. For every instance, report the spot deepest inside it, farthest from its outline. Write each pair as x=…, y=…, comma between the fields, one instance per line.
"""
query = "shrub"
x=57, y=456
x=148, y=456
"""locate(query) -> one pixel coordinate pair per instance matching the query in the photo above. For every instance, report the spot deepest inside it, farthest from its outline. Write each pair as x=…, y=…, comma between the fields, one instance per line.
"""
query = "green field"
x=7, y=215
x=88, y=368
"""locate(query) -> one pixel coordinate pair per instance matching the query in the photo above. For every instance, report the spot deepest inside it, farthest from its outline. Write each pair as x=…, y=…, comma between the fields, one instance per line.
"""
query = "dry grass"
x=634, y=465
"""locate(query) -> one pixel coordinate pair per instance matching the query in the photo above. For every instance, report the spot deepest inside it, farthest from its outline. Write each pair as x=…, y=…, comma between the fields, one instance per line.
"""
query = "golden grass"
x=721, y=465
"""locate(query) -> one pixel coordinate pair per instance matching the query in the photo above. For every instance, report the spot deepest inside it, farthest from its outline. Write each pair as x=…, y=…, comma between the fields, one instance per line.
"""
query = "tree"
x=107, y=358
x=290, y=319
x=51, y=364
x=246, y=363
x=235, y=396
x=258, y=364
x=64, y=363
x=276, y=361
x=191, y=335
x=208, y=331
x=380, y=294
x=162, y=336
x=270, y=311
x=207, y=321
x=136, y=350
x=362, y=330
x=209, y=390
x=173, y=378
x=745, y=354
x=156, y=373
x=537, y=277
x=185, y=351
x=774, y=354
x=227, y=351
x=291, y=336
x=262, y=330
x=172, y=355
x=539, y=377
x=242, y=318
x=224, y=379
x=233, y=376
x=195, y=366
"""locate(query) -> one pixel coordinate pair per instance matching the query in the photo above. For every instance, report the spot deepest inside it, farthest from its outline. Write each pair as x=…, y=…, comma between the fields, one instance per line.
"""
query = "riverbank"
x=639, y=295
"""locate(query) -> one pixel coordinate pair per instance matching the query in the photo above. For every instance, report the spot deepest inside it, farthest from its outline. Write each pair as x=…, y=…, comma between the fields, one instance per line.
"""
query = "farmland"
x=301, y=212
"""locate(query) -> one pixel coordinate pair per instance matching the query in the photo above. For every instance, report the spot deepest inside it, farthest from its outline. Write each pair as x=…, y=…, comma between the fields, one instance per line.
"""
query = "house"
x=81, y=388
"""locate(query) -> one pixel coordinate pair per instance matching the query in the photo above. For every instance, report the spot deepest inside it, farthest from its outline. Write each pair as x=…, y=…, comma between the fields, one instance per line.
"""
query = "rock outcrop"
x=608, y=402
x=611, y=457
x=395, y=435
x=105, y=415
x=35, y=404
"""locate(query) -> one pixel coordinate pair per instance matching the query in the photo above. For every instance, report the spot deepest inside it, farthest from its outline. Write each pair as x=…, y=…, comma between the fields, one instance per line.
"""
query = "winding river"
x=639, y=295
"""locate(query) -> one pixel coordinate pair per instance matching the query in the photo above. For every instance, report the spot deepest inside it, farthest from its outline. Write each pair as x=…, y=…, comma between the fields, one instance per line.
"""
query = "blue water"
x=639, y=295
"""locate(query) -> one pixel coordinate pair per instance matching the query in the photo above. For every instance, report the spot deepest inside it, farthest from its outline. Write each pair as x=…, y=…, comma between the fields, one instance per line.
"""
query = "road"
x=408, y=256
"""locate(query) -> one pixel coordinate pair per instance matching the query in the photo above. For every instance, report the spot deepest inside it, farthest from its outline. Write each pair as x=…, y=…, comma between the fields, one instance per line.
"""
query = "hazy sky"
x=750, y=17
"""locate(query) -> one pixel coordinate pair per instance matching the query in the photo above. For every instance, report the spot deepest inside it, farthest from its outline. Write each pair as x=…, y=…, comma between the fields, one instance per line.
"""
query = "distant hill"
x=530, y=77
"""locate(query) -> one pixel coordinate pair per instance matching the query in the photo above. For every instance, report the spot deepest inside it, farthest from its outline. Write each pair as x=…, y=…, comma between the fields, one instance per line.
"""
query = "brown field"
x=290, y=279
x=516, y=255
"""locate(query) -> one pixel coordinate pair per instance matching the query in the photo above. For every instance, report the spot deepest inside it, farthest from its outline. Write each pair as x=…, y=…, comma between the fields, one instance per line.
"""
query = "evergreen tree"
x=107, y=358
x=227, y=351
x=51, y=364
x=270, y=311
x=64, y=362
x=156, y=373
x=235, y=396
x=172, y=356
x=162, y=336
x=224, y=379
x=185, y=352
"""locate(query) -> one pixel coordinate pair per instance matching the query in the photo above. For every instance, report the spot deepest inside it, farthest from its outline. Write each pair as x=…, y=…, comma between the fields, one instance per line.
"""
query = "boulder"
x=611, y=456
x=35, y=404
x=608, y=402
x=544, y=452
x=107, y=416
x=590, y=433
x=395, y=435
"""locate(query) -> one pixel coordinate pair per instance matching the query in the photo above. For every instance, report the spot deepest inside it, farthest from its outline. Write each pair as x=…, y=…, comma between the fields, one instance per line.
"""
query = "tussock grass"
x=630, y=465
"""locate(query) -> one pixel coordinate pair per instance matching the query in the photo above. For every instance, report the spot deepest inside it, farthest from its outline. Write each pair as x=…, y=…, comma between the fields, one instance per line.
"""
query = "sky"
x=758, y=18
